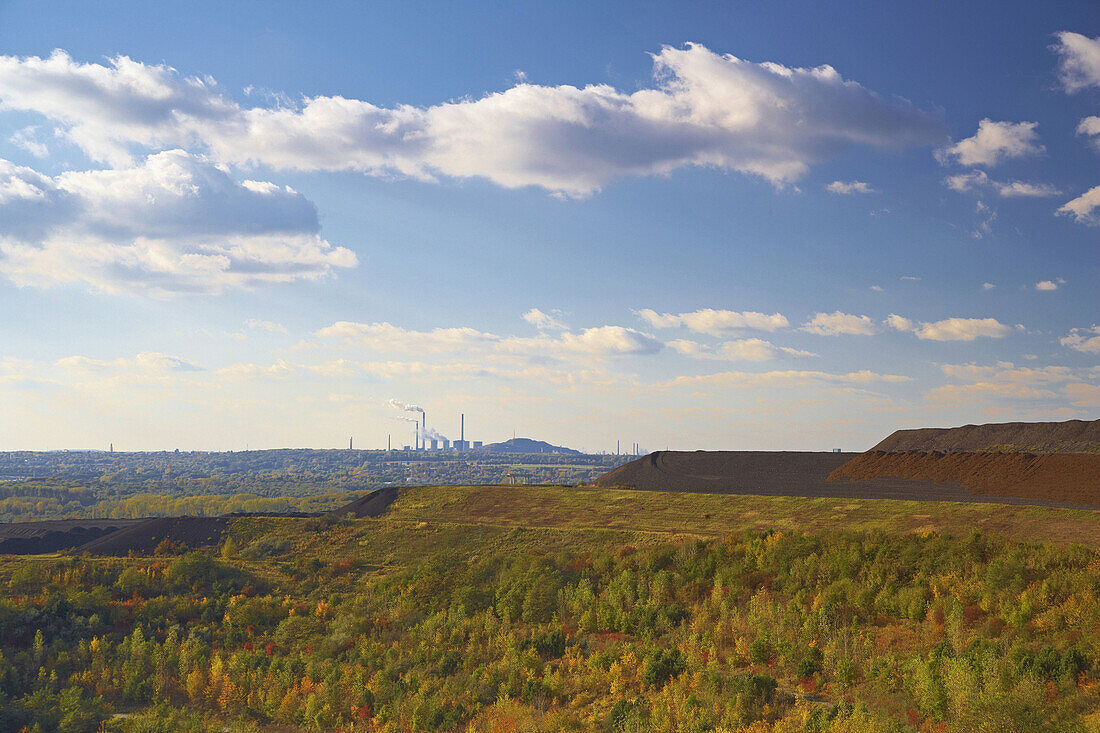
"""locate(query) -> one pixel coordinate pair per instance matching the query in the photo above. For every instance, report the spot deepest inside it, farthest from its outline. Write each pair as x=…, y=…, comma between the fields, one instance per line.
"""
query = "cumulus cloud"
x=977, y=180
x=1090, y=126
x=951, y=329
x=1083, y=209
x=177, y=223
x=705, y=109
x=1079, y=61
x=751, y=349
x=715, y=322
x=995, y=142
x=1083, y=340
x=145, y=366
x=845, y=188
x=544, y=321
x=1049, y=284
x=988, y=286
x=838, y=323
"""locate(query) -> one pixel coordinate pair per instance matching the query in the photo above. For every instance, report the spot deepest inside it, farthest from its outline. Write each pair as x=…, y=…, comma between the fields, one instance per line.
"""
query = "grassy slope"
x=478, y=519
x=713, y=515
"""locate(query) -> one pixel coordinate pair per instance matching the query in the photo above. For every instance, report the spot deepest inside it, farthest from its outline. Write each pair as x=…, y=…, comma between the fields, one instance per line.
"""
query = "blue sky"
x=736, y=225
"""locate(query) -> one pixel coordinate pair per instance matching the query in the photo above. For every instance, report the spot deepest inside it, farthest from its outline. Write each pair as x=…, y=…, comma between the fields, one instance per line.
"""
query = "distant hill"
x=526, y=445
x=1070, y=436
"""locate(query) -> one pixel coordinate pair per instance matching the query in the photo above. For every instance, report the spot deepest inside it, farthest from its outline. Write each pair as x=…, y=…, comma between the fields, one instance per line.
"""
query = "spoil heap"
x=1053, y=462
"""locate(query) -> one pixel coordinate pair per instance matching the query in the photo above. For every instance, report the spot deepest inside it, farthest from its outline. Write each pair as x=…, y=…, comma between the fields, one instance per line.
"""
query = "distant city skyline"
x=754, y=227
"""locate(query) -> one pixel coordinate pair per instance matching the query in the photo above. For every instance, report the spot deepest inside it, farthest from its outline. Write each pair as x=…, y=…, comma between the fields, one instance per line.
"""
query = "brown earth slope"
x=1070, y=436
x=51, y=535
x=1057, y=477
x=782, y=474
x=145, y=535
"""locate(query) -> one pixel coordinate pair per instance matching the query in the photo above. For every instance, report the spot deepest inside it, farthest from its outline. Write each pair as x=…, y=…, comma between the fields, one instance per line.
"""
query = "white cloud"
x=762, y=119
x=784, y=378
x=544, y=321
x=1083, y=395
x=973, y=180
x=716, y=322
x=995, y=142
x=987, y=215
x=601, y=341
x=1048, y=284
x=877, y=288
x=27, y=139
x=1079, y=66
x=951, y=329
x=988, y=286
x=1079, y=339
x=1083, y=208
x=1090, y=126
x=1008, y=372
x=751, y=349
x=953, y=394
x=845, y=188
x=269, y=326
x=838, y=323
x=177, y=223
x=385, y=337
x=911, y=278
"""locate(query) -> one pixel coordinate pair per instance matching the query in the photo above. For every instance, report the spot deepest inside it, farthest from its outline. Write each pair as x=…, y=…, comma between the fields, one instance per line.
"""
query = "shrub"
x=661, y=666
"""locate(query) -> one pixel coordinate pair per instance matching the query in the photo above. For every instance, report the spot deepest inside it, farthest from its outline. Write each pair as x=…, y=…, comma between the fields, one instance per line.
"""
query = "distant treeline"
x=90, y=484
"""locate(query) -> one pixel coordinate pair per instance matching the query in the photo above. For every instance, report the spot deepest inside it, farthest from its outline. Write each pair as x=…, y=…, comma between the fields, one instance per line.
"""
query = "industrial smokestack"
x=424, y=419
x=349, y=444
x=462, y=428
x=416, y=438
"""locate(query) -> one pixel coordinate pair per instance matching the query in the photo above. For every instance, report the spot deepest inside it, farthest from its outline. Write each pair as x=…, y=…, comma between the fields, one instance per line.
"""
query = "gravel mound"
x=1053, y=477
x=1071, y=436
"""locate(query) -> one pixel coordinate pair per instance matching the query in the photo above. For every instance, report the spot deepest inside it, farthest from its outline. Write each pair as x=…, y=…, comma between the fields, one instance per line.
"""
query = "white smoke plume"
x=399, y=405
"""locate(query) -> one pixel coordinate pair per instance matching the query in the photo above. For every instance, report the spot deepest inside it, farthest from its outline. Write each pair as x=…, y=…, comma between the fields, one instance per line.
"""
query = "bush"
x=661, y=666
x=810, y=664
x=760, y=651
x=551, y=644
x=269, y=546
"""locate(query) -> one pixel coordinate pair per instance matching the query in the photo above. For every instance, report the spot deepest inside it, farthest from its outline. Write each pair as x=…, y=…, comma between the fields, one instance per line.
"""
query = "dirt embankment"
x=145, y=535
x=52, y=535
x=1070, y=436
x=1055, y=477
x=374, y=504
x=725, y=472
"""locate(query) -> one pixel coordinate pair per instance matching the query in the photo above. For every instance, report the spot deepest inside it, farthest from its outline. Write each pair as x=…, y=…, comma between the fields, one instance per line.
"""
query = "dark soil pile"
x=1055, y=477
x=774, y=474
x=374, y=504
x=725, y=472
x=1071, y=436
x=145, y=535
x=53, y=535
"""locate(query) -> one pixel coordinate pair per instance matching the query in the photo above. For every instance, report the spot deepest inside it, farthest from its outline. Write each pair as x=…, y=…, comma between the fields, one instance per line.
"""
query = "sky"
x=738, y=226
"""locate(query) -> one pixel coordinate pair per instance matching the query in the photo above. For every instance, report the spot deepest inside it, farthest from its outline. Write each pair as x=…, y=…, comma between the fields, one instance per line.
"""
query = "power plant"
x=428, y=439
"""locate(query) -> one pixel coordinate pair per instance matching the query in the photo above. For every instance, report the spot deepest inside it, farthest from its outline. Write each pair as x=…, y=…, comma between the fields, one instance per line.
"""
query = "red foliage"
x=972, y=614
